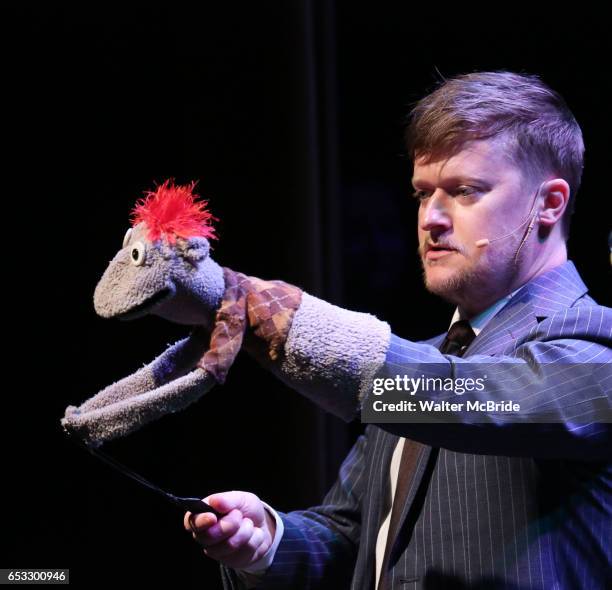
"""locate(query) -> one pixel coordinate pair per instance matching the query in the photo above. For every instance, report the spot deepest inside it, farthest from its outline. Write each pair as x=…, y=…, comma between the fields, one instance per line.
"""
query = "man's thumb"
x=226, y=502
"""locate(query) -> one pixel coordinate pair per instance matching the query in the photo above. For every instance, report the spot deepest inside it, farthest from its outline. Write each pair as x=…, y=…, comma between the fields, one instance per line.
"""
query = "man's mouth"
x=437, y=251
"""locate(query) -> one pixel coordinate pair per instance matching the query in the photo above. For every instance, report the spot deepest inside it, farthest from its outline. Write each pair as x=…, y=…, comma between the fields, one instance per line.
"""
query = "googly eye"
x=126, y=237
x=137, y=253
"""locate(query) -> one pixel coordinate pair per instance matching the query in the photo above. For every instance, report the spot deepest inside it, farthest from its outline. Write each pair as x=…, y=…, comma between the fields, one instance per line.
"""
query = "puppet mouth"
x=147, y=305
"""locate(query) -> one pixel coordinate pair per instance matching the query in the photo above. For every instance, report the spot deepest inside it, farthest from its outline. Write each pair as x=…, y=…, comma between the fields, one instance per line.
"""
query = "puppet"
x=164, y=268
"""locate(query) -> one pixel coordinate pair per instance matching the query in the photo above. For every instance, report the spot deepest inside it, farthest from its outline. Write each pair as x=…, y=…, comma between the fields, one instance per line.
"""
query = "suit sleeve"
x=319, y=545
x=562, y=384
x=332, y=356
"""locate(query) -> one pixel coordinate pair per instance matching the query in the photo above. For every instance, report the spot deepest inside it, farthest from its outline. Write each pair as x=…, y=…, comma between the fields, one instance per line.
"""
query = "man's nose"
x=434, y=214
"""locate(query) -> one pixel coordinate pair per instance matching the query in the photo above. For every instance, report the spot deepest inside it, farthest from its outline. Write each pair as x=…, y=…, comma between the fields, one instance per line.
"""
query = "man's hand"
x=243, y=534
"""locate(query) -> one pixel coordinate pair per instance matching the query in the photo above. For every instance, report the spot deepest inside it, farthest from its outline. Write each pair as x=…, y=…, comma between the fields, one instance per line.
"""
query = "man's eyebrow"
x=456, y=179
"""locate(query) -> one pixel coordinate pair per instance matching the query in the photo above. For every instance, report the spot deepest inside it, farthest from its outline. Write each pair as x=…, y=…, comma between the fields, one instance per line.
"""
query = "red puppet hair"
x=173, y=212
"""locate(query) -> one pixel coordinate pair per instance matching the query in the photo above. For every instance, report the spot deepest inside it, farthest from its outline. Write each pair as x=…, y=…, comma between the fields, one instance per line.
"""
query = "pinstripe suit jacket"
x=498, y=507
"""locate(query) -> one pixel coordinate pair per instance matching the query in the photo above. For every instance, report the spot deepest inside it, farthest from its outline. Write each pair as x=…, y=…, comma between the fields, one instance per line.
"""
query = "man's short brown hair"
x=534, y=122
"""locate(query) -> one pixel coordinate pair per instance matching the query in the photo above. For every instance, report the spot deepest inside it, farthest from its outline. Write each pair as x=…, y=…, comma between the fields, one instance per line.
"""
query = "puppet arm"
x=166, y=385
x=327, y=353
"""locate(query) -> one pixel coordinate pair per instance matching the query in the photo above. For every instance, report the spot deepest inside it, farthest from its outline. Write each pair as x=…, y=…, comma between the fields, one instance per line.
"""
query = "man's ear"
x=555, y=196
x=194, y=249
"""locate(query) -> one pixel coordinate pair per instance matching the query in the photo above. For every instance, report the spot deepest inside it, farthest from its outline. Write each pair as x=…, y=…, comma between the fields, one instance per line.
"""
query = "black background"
x=290, y=115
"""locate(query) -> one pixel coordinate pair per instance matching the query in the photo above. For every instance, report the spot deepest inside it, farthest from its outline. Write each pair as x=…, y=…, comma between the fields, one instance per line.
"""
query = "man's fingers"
x=256, y=544
x=193, y=522
x=240, y=536
x=220, y=531
x=223, y=502
x=227, y=501
x=250, y=552
x=232, y=544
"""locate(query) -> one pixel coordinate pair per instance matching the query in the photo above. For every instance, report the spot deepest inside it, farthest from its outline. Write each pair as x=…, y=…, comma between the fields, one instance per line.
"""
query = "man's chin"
x=447, y=283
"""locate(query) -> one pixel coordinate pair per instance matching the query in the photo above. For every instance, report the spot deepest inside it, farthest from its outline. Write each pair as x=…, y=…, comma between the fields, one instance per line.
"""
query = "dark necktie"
x=458, y=338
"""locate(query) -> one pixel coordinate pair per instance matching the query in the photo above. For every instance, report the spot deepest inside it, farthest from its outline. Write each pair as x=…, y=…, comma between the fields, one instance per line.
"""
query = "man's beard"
x=492, y=275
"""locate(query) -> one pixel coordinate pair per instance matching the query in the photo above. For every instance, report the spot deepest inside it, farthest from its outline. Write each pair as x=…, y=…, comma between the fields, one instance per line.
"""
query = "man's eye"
x=461, y=191
x=465, y=191
x=419, y=195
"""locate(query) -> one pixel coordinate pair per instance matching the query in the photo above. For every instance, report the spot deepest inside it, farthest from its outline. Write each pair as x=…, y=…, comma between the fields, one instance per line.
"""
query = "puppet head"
x=164, y=267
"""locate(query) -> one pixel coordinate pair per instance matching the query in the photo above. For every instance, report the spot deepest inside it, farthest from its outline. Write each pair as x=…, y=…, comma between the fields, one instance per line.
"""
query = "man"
x=497, y=164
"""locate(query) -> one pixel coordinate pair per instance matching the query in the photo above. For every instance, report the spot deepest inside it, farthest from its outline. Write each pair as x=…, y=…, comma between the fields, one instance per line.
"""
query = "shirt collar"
x=480, y=321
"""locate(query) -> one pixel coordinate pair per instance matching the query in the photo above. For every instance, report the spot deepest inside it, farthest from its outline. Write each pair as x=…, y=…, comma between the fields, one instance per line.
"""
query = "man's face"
x=475, y=194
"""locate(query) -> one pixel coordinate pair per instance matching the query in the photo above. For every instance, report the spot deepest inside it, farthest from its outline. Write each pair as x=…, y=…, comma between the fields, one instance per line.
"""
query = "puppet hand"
x=243, y=534
x=261, y=310
x=327, y=353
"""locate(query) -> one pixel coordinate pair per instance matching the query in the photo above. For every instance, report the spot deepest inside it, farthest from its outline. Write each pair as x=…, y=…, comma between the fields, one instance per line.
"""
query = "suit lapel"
x=376, y=503
x=514, y=320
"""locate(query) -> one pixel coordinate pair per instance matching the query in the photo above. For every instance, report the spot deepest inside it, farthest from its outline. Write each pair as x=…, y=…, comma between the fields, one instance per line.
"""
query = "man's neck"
x=540, y=265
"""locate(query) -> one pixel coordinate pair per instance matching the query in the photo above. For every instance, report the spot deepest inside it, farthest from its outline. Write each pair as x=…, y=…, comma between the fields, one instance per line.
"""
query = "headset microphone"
x=483, y=242
x=531, y=218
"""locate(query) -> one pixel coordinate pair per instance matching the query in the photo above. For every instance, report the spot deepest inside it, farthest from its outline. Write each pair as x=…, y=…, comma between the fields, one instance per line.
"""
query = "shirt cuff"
x=265, y=561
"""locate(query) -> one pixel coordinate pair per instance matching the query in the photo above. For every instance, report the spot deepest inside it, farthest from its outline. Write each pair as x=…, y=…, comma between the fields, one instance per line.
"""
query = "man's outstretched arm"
x=331, y=355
